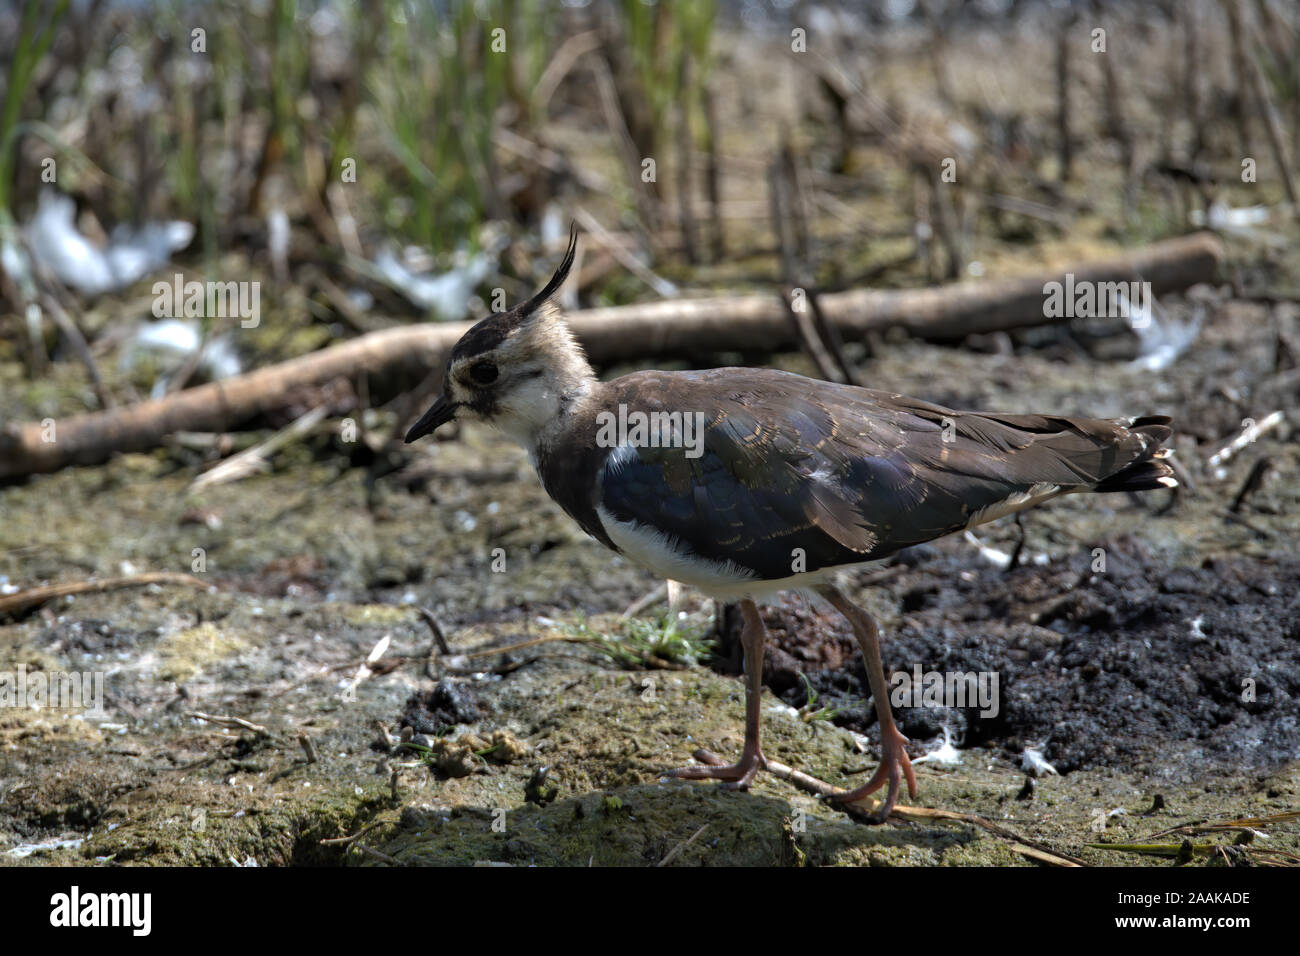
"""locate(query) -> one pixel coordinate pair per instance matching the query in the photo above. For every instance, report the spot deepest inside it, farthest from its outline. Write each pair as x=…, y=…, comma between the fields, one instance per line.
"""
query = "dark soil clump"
x=443, y=707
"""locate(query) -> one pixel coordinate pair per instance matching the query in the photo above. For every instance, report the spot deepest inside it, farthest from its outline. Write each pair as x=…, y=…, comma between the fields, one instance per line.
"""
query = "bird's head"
x=516, y=370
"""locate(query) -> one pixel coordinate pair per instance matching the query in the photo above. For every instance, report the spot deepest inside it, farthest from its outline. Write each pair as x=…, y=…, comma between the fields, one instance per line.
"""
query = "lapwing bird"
x=742, y=482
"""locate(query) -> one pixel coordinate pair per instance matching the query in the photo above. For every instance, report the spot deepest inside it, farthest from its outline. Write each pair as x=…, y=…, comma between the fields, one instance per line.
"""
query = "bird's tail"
x=1150, y=471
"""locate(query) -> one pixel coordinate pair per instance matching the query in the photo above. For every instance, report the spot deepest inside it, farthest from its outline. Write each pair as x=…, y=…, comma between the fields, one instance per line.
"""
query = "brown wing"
x=844, y=474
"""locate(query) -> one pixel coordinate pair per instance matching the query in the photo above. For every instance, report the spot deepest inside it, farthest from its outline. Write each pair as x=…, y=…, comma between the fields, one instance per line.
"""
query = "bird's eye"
x=483, y=373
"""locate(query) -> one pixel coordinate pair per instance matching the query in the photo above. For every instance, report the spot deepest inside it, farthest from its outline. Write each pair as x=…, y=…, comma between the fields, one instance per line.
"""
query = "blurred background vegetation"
x=381, y=161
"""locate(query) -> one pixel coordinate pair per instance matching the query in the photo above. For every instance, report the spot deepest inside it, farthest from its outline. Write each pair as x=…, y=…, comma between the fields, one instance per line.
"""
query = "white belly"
x=668, y=558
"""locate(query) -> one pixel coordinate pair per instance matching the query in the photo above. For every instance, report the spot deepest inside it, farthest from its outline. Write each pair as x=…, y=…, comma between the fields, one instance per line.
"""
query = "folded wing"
x=795, y=470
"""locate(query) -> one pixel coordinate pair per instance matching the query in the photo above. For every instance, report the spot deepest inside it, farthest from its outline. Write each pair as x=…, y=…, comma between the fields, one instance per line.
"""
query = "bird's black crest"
x=492, y=331
x=557, y=280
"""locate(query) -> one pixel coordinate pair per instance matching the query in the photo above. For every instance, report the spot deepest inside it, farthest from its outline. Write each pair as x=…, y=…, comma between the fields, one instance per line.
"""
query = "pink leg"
x=894, y=763
x=741, y=774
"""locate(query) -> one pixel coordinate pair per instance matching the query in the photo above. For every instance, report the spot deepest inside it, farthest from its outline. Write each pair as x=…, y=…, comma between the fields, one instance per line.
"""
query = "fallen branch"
x=679, y=326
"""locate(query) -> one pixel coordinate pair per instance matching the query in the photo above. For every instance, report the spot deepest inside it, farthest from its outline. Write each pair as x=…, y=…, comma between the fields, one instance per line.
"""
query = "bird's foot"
x=736, y=776
x=894, y=766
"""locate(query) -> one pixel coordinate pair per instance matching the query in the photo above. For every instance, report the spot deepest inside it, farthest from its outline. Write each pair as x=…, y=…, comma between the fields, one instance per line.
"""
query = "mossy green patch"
x=185, y=653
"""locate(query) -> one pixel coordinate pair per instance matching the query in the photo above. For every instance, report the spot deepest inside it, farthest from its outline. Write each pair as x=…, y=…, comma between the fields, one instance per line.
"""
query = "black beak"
x=439, y=413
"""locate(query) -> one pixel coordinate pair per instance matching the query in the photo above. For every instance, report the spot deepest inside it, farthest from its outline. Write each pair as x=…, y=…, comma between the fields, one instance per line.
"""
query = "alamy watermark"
x=133, y=911
x=1085, y=299
x=214, y=300
x=960, y=689
x=53, y=690
x=651, y=430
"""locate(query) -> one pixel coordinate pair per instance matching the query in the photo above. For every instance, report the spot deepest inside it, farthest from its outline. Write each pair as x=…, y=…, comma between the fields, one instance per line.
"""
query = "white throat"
x=535, y=411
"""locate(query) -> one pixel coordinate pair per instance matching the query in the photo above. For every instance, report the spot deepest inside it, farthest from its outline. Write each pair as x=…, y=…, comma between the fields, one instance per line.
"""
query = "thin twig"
x=438, y=637
x=34, y=597
x=822, y=789
x=830, y=335
x=812, y=342
x=345, y=840
x=375, y=854
x=714, y=172
x=1254, y=481
x=254, y=459
x=1245, y=522
x=78, y=343
x=686, y=219
x=643, y=602
x=343, y=306
x=1273, y=126
x=602, y=235
x=570, y=52
x=364, y=670
x=226, y=720
x=1246, y=436
x=1197, y=827
x=617, y=122
x=550, y=160
x=675, y=851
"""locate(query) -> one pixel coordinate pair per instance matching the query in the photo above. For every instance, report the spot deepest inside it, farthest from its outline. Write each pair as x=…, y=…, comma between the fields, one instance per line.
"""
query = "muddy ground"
x=1129, y=681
